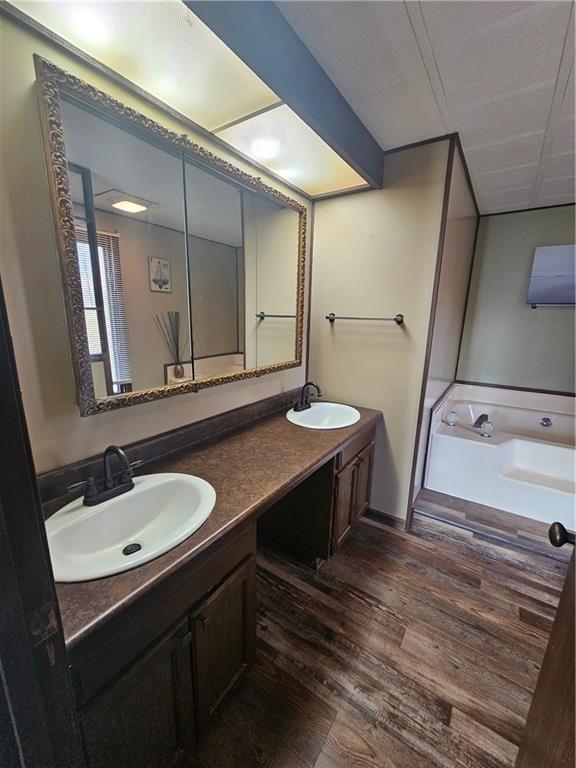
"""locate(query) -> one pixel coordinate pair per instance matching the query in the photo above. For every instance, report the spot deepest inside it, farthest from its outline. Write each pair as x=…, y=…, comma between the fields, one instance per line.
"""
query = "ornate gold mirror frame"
x=51, y=83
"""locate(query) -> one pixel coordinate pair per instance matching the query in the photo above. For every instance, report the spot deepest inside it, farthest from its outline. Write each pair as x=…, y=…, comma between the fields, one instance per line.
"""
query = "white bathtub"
x=523, y=468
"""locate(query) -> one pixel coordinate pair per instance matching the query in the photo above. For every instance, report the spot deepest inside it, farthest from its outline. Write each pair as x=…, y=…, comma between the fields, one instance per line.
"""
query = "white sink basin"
x=155, y=516
x=324, y=416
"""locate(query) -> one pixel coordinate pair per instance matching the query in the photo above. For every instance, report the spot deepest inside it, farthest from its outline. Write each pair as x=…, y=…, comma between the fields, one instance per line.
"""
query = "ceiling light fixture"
x=129, y=206
x=89, y=26
x=265, y=149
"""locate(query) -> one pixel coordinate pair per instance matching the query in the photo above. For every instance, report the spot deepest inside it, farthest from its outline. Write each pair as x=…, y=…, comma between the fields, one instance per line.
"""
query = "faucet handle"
x=89, y=486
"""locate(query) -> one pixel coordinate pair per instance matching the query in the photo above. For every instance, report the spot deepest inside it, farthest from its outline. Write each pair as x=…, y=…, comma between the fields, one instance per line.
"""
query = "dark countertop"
x=250, y=469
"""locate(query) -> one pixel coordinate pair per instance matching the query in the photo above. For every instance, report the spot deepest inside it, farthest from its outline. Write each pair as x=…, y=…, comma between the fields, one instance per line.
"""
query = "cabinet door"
x=146, y=716
x=224, y=632
x=344, y=500
x=364, y=464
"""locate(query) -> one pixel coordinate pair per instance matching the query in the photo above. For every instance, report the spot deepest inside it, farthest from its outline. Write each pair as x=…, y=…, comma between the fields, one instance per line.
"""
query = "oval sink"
x=324, y=416
x=129, y=530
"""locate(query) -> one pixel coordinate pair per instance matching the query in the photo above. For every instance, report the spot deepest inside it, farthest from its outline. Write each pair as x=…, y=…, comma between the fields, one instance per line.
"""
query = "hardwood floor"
x=518, y=531
x=407, y=650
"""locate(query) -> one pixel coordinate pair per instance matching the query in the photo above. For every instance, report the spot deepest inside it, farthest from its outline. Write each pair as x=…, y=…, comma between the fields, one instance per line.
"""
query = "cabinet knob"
x=559, y=536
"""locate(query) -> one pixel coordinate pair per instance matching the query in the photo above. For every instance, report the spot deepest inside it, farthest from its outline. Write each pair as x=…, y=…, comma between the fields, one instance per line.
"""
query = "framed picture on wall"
x=160, y=272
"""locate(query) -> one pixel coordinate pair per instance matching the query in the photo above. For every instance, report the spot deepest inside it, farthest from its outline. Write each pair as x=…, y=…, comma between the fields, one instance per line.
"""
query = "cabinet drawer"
x=353, y=448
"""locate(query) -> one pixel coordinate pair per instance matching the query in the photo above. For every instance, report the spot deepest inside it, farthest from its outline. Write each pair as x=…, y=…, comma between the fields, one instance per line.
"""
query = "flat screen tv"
x=553, y=278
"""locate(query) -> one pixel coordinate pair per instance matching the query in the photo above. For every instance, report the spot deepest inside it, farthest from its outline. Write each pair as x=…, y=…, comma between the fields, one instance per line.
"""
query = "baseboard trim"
x=384, y=518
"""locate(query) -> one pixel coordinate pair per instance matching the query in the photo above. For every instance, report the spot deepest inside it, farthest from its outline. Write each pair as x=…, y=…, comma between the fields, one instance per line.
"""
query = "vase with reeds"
x=170, y=328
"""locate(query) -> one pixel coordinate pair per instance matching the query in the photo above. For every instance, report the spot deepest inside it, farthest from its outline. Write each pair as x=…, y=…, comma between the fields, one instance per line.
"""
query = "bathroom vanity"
x=154, y=650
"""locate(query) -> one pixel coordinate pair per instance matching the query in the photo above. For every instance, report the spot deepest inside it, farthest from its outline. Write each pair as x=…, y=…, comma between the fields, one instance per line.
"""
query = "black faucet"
x=112, y=486
x=303, y=402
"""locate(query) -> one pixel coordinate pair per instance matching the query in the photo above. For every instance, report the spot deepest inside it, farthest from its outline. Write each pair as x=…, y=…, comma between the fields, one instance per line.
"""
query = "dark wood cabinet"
x=344, y=497
x=150, y=685
x=146, y=716
x=224, y=639
x=352, y=494
x=364, y=465
x=149, y=680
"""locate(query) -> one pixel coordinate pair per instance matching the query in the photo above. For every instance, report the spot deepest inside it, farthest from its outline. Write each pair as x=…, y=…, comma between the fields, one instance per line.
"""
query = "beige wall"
x=271, y=278
x=457, y=253
x=375, y=254
x=30, y=274
x=214, y=281
x=276, y=281
x=505, y=341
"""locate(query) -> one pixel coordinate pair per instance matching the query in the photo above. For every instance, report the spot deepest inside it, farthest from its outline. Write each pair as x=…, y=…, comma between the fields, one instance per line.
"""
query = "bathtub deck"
x=414, y=649
x=514, y=530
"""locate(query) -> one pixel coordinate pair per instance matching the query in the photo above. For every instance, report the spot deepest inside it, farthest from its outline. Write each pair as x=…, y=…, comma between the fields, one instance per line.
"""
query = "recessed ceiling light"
x=265, y=149
x=129, y=206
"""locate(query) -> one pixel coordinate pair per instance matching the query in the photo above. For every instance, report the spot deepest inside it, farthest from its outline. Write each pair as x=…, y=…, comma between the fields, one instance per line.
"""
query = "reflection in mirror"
x=128, y=202
x=270, y=231
x=185, y=271
x=241, y=258
x=216, y=272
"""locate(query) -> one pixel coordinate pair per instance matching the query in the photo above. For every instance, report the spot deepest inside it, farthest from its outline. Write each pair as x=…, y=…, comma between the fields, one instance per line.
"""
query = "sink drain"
x=129, y=549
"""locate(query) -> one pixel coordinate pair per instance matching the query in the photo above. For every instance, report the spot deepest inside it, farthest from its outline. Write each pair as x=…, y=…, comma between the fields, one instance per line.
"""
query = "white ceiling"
x=501, y=74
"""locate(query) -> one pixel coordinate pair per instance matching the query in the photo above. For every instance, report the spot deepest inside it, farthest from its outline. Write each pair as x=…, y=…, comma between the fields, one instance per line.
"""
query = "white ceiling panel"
x=490, y=57
x=509, y=153
x=370, y=53
x=558, y=186
x=507, y=178
x=499, y=73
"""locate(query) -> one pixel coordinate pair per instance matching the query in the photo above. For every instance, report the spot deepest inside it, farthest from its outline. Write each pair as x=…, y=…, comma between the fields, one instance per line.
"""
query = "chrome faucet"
x=480, y=420
x=303, y=402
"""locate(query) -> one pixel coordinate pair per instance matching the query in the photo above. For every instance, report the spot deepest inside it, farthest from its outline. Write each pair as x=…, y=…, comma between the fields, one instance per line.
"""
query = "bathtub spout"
x=480, y=420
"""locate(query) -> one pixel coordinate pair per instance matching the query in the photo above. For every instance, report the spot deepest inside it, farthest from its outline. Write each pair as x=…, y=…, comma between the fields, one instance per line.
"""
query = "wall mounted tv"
x=553, y=278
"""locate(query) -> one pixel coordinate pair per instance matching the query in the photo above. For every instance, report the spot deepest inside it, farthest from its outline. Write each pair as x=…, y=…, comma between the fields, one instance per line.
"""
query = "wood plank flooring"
x=520, y=532
x=406, y=650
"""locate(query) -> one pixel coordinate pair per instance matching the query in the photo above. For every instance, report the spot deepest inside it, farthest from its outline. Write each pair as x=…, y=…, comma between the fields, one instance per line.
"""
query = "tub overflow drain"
x=129, y=549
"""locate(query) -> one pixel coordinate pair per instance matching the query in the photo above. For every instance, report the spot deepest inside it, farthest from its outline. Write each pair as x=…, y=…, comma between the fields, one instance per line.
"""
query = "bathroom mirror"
x=180, y=270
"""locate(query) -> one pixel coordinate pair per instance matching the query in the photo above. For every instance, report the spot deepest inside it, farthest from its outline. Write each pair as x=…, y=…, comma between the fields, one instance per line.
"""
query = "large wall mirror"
x=180, y=270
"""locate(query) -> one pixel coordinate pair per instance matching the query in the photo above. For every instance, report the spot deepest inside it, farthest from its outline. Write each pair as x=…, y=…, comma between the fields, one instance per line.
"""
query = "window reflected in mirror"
x=128, y=198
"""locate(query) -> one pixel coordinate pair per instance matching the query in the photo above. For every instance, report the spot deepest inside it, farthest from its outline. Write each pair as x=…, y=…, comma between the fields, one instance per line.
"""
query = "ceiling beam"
x=260, y=35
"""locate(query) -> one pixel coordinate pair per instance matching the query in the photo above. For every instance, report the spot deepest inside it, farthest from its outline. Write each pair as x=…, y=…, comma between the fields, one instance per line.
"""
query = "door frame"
x=41, y=729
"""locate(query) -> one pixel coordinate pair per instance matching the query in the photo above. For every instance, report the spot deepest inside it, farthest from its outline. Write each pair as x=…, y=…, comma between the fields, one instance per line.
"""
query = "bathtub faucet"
x=480, y=420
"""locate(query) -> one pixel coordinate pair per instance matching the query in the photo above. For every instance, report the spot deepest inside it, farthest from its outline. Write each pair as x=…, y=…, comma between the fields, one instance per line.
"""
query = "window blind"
x=113, y=301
